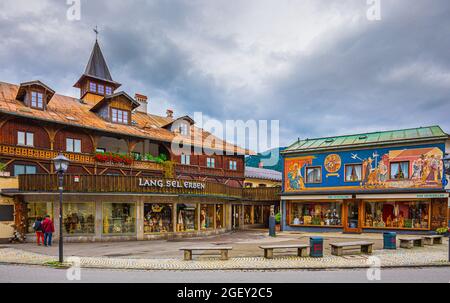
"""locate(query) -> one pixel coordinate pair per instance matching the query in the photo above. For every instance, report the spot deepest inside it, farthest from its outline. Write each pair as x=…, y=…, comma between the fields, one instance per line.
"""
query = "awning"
x=403, y=196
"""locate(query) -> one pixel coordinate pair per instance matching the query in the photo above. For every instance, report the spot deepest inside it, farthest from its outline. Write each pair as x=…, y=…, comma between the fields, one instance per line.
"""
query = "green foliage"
x=442, y=230
x=2, y=167
x=278, y=218
x=160, y=159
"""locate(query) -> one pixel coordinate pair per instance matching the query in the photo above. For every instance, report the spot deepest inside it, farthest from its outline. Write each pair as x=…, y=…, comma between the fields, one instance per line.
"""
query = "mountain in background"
x=260, y=160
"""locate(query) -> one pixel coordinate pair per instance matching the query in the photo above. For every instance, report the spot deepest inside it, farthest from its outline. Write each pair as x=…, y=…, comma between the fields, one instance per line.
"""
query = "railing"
x=45, y=154
x=132, y=184
x=124, y=184
x=262, y=194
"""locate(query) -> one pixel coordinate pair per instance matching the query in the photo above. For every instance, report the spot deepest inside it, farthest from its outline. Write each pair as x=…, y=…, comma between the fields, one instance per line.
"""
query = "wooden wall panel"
x=10, y=129
x=87, y=145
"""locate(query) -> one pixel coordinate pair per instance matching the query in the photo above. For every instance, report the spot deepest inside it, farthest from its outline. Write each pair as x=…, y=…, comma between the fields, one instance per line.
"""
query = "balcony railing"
x=132, y=184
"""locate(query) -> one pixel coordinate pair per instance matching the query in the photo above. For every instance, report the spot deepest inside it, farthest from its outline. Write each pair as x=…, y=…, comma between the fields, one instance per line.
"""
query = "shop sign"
x=171, y=184
x=339, y=197
x=422, y=196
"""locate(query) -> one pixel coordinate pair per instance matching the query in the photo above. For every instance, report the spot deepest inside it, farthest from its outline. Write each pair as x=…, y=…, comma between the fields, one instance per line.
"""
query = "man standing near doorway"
x=49, y=228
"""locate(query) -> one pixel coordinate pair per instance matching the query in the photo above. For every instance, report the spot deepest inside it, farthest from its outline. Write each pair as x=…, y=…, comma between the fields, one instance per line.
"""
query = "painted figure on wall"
x=293, y=173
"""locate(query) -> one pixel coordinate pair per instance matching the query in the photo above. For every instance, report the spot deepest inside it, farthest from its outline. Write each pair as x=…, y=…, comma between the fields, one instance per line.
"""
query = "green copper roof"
x=367, y=139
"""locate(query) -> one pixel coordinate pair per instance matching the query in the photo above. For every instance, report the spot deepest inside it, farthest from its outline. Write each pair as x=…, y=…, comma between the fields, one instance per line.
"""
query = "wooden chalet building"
x=124, y=181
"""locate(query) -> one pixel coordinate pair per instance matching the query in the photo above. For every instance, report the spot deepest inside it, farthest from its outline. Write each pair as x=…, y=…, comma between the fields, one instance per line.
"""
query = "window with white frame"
x=93, y=87
x=185, y=159
x=25, y=138
x=24, y=170
x=119, y=116
x=184, y=129
x=37, y=100
x=233, y=165
x=73, y=145
x=108, y=90
x=101, y=89
x=211, y=162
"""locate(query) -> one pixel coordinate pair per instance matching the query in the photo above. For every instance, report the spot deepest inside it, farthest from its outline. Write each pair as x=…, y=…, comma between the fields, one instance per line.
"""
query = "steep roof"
x=72, y=112
x=369, y=139
x=262, y=173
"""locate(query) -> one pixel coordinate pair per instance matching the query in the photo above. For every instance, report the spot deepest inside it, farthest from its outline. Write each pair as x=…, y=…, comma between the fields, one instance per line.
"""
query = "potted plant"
x=3, y=173
x=278, y=222
x=442, y=231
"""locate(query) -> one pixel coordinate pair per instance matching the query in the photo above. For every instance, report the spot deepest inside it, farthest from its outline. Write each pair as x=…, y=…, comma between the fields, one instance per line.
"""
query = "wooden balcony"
x=122, y=184
x=262, y=194
x=83, y=159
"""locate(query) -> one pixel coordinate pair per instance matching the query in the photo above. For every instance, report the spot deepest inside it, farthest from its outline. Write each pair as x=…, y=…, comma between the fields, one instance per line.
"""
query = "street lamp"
x=446, y=161
x=61, y=165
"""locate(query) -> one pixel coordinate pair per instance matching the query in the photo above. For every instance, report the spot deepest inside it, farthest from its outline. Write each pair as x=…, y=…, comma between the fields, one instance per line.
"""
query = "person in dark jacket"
x=37, y=226
x=49, y=229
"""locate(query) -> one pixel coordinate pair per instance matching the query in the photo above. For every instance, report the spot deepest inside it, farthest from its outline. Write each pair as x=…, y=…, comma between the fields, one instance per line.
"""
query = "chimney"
x=169, y=113
x=143, y=103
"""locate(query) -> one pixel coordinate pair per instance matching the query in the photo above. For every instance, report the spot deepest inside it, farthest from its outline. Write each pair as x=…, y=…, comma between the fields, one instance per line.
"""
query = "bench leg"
x=268, y=253
x=302, y=252
x=406, y=244
x=418, y=243
x=337, y=251
x=428, y=241
x=438, y=241
x=366, y=249
x=224, y=255
x=187, y=255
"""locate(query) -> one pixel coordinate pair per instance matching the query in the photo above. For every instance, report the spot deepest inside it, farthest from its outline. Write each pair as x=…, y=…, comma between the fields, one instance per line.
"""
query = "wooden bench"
x=410, y=242
x=302, y=249
x=431, y=240
x=220, y=250
x=337, y=249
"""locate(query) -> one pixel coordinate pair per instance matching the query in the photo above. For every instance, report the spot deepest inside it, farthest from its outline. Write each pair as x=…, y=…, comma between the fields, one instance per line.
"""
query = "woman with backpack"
x=37, y=226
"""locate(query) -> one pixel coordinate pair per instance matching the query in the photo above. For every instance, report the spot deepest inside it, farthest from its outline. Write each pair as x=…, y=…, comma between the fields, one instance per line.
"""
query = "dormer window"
x=184, y=129
x=37, y=100
x=119, y=116
x=109, y=90
x=92, y=87
x=101, y=89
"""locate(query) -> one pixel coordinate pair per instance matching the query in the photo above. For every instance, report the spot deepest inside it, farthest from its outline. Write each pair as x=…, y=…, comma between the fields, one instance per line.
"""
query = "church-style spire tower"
x=96, y=82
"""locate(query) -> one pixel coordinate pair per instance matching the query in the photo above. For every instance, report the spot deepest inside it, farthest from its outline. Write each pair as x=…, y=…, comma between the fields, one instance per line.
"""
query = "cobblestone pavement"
x=242, y=259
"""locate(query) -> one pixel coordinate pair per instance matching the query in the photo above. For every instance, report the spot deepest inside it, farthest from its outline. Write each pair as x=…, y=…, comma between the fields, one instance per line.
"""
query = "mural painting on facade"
x=294, y=177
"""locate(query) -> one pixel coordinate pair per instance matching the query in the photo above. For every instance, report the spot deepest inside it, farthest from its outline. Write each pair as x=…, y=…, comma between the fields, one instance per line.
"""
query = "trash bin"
x=316, y=249
x=389, y=240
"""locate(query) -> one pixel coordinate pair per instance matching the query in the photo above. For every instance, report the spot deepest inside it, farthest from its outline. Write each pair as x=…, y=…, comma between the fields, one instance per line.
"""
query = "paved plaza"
x=165, y=255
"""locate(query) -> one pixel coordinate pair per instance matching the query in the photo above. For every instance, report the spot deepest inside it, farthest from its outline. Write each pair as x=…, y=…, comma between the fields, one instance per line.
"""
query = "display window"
x=207, y=216
x=248, y=214
x=79, y=218
x=157, y=218
x=187, y=217
x=315, y=214
x=38, y=210
x=258, y=215
x=119, y=218
x=397, y=214
x=220, y=216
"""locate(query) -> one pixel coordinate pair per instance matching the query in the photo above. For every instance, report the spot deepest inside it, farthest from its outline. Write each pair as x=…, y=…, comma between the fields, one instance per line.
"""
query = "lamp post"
x=61, y=165
x=446, y=161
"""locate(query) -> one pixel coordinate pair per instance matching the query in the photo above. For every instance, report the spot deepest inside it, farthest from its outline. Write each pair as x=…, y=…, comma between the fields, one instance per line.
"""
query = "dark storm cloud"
x=318, y=66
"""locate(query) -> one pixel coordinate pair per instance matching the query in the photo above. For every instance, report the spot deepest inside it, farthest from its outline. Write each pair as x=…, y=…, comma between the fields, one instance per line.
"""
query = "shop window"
x=313, y=175
x=220, y=216
x=37, y=100
x=6, y=213
x=79, y=218
x=353, y=173
x=73, y=145
x=248, y=217
x=157, y=218
x=401, y=215
x=207, y=216
x=25, y=138
x=210, y=162
x=399, y=170
x=258, y=219
x=186, y=217
x=37, y=210
x=315, y=214
x=185, y=159
x=233, y=165
x=24, y=170
x=119, y=218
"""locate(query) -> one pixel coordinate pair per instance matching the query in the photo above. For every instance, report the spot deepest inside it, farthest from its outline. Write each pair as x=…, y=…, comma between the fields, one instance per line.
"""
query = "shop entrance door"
x=351, y=215
x=236, y=212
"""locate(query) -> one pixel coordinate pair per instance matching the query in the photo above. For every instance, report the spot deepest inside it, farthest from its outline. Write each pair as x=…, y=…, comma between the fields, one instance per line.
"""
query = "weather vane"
x=96, y=32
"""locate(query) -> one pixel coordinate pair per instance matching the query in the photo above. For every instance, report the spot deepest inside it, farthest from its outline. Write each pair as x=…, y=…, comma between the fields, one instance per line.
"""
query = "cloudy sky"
x=320, y=67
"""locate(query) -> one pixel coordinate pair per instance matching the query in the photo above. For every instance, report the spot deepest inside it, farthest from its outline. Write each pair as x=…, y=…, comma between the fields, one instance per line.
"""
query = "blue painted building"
x=391, y=180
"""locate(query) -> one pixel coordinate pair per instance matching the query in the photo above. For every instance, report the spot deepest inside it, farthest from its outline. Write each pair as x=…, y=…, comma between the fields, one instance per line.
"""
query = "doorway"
x=236, y=219
x=351, y=215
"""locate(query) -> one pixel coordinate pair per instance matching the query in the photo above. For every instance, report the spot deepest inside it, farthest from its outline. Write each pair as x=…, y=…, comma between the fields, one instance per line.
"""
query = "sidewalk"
x=165, y=255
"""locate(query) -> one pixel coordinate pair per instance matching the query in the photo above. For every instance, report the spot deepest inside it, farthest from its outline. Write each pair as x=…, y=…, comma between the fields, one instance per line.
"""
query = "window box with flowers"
x=113, y=158
x=3, y=172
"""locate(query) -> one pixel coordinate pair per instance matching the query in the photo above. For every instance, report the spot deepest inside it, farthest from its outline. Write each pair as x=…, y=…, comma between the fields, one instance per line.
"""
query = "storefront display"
x=207, y=216
x=258, y=215
x=315, y=213
x=119, y=218
x=248, y=214
x=79, y=218
x=36, y=210
x=157, y=218
x=220, y=216
x=186, y=217
x=397, y=214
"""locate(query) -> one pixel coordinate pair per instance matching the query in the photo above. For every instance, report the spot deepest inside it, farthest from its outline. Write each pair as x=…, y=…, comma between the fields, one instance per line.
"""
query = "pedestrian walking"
x=49, y=228
x=37, y=226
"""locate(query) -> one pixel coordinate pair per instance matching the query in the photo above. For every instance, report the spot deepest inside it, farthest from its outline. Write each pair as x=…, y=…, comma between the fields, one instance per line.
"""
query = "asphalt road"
x=31, y=274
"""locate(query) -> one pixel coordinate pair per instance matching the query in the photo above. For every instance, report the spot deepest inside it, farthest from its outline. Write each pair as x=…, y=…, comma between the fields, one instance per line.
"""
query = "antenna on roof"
x=96, y=32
